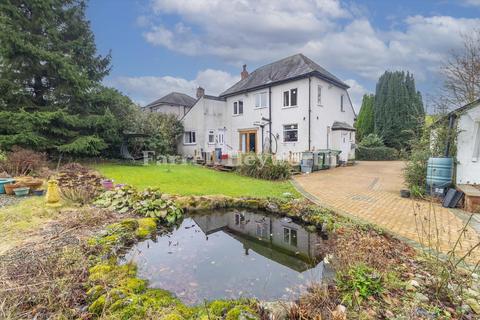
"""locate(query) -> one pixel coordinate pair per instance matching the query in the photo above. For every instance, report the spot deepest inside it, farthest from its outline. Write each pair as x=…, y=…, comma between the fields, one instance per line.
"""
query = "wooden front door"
x=248, y=140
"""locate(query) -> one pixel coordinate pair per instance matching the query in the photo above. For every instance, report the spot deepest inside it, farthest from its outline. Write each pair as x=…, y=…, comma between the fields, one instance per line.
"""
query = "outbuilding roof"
x=337, y=125
x=293, y=67
x=174, y=99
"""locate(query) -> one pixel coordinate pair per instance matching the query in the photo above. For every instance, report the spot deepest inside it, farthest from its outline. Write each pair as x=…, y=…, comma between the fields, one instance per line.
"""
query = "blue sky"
x=160, y=46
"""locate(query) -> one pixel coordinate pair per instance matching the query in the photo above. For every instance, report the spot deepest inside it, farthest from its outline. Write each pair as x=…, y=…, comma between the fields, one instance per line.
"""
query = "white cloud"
x=146, y=89
x=472, y=2
x=339, y=38
x=356, y=93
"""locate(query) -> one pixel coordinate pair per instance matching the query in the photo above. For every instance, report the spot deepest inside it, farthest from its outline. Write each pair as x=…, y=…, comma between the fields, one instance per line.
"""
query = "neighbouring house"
x=173, y=103
x=467, y=120
x=286, y=107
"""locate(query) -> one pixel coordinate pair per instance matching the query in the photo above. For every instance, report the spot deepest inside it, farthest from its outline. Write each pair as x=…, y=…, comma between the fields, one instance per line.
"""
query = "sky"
x=159, y=46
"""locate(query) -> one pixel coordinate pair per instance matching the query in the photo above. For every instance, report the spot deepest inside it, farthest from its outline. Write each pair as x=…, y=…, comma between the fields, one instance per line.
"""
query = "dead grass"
x=45, y=278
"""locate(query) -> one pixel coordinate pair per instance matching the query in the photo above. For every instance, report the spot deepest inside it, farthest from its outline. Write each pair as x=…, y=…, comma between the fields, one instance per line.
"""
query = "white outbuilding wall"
x=468, y=147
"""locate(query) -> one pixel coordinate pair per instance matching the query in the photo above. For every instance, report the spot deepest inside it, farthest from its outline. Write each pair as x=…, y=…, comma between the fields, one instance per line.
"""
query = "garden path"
x=370, y=191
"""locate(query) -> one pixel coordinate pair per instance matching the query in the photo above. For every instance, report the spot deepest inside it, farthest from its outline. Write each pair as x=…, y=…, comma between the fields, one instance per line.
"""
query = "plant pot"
x=405, y=193
x=9, y=188
x=4, y=182
x=107, y=184
x=39, y=193
x=33, y=184
x=21, y=192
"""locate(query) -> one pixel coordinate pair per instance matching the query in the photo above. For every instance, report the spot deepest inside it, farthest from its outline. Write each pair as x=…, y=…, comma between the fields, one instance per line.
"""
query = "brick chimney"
x=244, y=73
x=200, y=92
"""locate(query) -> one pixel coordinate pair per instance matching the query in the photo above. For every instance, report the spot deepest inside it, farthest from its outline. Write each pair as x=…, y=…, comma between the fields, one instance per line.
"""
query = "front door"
x=248, y=140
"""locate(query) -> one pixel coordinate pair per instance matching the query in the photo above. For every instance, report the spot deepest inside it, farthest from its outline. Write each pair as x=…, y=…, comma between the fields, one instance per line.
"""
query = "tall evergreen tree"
x=398, y=107
x=366, y=118
x=50, y=79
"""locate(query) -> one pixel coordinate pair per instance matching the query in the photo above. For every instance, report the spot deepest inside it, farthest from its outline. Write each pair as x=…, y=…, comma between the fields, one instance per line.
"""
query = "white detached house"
x=286, y=107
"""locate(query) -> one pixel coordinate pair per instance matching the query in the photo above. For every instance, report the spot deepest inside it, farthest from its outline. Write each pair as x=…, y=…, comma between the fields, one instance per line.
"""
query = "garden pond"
x=234, y=254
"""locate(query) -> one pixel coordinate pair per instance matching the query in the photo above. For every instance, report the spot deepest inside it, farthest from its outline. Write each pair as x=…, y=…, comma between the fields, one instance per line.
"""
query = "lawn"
x=194, y=180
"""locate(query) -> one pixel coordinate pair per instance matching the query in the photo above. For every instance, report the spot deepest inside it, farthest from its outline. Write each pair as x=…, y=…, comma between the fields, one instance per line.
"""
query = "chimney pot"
x=200, y=92
x=244, y=73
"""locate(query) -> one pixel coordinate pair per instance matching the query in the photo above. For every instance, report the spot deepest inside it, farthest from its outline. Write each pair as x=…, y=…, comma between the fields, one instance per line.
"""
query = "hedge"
x=376, y=153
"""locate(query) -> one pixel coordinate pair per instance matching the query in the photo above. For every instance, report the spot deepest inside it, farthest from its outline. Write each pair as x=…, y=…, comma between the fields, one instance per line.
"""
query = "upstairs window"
x=293, y=97
x=261, y=100
x=238, y=107
x=290, y=98
x=189, y=137
x=286, y=99
x=342, y=107
x=290, y=133
x=476, y=141
x=211, y=136
x=319, y=95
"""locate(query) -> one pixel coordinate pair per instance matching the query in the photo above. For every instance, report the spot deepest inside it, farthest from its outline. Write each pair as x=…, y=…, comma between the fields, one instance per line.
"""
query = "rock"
x=276, y=310
x=472, y=303
x=340, y=313
x=272, y=207
x=414, y=283
x=475, y=275
x=421, y=297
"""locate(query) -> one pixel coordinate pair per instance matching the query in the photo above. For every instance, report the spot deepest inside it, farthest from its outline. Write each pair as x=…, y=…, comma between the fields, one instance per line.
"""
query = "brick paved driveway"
x=370, y=191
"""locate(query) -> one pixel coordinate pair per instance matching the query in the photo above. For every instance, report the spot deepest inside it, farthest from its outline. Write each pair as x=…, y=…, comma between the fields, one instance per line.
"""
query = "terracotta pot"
x=33, y=184
x=9, y=188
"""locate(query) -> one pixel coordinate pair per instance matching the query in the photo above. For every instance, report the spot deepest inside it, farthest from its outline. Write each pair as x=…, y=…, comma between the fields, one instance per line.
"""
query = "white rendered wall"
x=468, y=163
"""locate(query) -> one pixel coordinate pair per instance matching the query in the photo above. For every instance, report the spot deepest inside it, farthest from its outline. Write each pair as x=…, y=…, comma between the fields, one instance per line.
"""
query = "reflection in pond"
x=232, y=254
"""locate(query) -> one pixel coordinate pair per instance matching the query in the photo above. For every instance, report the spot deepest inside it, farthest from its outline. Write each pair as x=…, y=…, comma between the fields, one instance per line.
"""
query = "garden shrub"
x=371, y=141
x=376, y=153
x=147, y=203
x=20, y=162
x=358, y=283
x=264, y=167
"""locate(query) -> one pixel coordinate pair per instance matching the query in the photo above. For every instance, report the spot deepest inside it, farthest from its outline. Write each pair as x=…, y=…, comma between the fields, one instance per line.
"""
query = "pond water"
x=233, y=254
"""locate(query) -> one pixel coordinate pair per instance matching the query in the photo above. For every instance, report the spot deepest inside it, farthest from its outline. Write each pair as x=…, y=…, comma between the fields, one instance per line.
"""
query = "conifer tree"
x=365, y=123
x=398, y=108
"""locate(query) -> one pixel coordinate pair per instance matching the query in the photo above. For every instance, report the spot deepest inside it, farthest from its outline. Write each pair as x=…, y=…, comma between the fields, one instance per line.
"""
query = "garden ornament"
x=53, y=194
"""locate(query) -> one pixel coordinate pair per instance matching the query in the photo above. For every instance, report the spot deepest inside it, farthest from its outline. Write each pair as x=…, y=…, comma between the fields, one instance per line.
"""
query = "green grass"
x=194, y=180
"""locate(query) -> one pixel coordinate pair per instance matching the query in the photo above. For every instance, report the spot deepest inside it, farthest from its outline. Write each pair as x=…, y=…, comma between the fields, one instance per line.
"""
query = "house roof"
x=174, y=99
x=290, y=68
x=466, y=107
x=337, y=125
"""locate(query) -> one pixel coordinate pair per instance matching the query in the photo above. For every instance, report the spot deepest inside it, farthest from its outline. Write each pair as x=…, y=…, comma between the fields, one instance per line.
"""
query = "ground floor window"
x=290, y=236
x=290, y=133
x=189, y=137
x=211, y=136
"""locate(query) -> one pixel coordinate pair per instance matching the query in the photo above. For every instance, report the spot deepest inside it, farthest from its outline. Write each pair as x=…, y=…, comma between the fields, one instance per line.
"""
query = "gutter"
x=270, y=120
x=309, y=112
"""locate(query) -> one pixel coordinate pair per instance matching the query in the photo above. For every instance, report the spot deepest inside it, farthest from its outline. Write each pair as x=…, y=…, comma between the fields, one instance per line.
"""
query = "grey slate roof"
x=337, y=125
x=175, y=99
x=296, y=66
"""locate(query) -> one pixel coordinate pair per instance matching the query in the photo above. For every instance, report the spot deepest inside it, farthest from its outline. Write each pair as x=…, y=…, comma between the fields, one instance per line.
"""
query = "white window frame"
x=190, y=134
x=287, y=98
x=476, y=141
x=342, y=103
x=236, y=107
x=290, y=129
x=211, y=134
x=258, y=100
x=287, y=236
x=319, y=95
